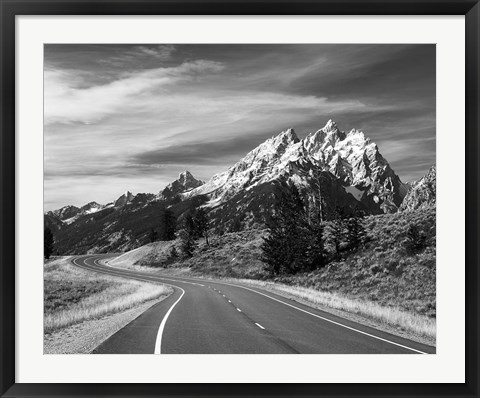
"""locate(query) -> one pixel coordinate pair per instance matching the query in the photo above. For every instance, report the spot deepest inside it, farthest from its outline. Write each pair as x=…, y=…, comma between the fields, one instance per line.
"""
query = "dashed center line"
x=260, y=326
x=229, y=301
x=239, y=310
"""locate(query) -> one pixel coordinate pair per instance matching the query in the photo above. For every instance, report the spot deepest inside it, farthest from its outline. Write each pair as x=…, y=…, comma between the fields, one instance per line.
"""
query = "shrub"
x=416, y=240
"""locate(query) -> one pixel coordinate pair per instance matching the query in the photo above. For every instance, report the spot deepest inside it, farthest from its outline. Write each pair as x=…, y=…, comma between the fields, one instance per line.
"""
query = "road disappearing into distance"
x=205, y=316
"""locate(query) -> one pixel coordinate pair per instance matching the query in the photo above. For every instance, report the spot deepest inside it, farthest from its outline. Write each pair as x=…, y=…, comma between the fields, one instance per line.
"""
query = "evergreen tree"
x=169, y=225
x=284, y=250
x=236, y=225
x=335, y=232
x=202, y=223
x=153, y=235
x=187, y=236
x=416, y=240
x=47, y=243
x=173, y=253
x=317, y=207
x=355, y=231
x=316, y=247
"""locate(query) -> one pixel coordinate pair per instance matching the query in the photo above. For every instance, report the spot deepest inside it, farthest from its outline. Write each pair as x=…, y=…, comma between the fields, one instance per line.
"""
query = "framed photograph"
x=239, y=197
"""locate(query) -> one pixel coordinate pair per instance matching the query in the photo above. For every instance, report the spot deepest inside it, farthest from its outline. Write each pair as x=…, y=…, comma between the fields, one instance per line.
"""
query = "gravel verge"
x=84, y=337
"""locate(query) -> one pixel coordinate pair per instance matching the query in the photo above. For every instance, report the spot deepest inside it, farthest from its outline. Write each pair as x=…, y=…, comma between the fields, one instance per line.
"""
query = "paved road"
x=214, y=317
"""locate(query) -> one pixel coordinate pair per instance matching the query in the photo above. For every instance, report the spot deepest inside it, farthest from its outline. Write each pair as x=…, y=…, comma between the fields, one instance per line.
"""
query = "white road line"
x=224, y=296
x=158, y=342
x=229, y=301
x=321, y=317
x=326, y=319
x=239, y=310
x=260, y=326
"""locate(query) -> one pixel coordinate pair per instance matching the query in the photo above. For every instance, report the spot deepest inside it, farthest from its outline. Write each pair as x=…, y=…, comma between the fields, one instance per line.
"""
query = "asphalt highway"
x=205, y=316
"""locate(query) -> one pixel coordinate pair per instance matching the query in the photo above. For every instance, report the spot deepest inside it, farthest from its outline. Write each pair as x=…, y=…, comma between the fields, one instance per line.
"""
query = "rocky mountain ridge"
x=423, y=192
x=345, y=168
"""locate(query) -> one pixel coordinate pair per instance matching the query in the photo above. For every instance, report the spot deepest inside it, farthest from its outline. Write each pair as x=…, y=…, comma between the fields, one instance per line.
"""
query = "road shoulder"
x=84, y=337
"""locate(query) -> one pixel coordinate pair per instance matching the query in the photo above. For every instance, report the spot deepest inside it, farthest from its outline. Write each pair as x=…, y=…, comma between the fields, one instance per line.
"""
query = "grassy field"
x=73, y=295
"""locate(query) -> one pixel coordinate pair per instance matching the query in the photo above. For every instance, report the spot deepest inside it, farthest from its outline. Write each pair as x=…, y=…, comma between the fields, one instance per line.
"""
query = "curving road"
x=214, y=317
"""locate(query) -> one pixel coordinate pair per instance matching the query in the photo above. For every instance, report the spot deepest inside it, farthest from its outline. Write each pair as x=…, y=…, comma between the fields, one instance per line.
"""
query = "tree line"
x=300, y=240
x=299, y=237
x=195, y=225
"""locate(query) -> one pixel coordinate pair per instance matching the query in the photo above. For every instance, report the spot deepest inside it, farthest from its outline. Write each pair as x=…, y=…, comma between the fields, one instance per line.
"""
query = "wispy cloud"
x=133, y=116
x=66, y=102
x=136, y=53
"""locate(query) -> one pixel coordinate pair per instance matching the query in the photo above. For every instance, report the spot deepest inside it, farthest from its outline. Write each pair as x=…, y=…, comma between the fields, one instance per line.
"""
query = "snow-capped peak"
x=286, y=137
x=330, y=126
x=186, y=178
x=185, y=182
x=351, y=158
x=124, y=199
x=65, y=212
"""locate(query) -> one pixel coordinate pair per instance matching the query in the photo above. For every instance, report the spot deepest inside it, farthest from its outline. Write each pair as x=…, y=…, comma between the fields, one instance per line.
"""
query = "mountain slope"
x=64, y=212
x=423, y=192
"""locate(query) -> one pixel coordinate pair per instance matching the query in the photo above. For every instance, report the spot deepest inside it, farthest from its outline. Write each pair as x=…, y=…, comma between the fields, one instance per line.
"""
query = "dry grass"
x=420, y=325
x=73, y=295
x=231, y=255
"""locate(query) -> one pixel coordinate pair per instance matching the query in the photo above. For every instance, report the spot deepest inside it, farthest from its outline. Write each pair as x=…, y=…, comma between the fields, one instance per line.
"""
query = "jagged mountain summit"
x=124, y=199
x=91, y=207
x=348, y=160
x=423, y=192
x=185, y=182
x=64, y=212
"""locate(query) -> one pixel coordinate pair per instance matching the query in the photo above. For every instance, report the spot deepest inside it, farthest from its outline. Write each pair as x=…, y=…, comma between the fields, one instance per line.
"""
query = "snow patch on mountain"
x=357, y=193
x=91, y=208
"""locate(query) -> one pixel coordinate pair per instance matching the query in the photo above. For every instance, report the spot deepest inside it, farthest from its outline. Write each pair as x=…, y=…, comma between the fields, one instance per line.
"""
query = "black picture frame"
x=11, y=8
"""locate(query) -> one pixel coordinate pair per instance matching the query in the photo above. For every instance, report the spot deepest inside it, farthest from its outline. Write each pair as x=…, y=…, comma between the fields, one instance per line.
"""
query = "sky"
x=132, y=117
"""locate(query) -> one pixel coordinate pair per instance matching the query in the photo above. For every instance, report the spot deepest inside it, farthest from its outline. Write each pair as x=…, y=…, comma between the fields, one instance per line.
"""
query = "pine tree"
x=168, y=225
x=416, y=240
x=187, y=236
x=153, y=235
x=47, y=243
x=335, y=232
x=317, y=207
x=316, y=247
x=284, y=249
x=355, y=232
x=173, y=253
x=202, y=223
x=236, y=225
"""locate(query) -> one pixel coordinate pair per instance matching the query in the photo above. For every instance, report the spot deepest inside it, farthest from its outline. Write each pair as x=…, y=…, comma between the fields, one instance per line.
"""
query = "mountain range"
x=346, y=168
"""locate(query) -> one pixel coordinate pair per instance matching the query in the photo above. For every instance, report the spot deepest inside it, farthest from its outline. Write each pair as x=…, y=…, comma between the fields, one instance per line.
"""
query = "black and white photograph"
x=239, y=199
